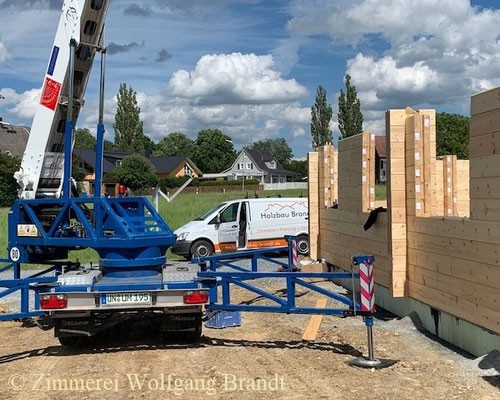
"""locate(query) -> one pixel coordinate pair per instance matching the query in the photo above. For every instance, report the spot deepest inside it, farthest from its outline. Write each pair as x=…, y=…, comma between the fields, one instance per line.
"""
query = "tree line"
x=213, y=151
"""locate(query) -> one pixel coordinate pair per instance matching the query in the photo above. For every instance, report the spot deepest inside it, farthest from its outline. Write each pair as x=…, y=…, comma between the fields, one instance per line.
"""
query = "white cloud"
x=22, y=105
x=438, y=53
x=298, y=132
x=382, y=84
x=4, y=53
x=235, y=79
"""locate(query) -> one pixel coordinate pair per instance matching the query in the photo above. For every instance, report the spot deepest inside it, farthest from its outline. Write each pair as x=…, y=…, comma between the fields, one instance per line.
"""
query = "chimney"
x=147, y=153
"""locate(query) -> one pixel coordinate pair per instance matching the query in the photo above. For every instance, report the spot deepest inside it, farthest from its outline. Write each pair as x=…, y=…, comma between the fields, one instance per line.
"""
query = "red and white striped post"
x=295, y=255
x=367, y=285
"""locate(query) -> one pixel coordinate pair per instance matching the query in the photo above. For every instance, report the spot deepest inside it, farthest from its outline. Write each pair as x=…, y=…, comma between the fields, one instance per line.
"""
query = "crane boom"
x=42, y=168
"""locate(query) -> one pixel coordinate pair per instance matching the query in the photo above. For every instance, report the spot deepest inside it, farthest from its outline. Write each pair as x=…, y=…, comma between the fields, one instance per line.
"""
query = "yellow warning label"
x=27, y=231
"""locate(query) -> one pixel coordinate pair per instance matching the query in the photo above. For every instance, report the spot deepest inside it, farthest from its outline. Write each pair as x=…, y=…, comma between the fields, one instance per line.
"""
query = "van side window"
x=230, y=214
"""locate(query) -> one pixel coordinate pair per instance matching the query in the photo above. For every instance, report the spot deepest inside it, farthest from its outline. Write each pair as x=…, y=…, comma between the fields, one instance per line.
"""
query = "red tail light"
x=53, y=301
x=196, y=297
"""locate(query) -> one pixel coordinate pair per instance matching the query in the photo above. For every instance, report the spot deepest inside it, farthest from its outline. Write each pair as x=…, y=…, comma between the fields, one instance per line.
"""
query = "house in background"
x=13, y=139
x=164, y=166
x=380, y=159
x=255, y=164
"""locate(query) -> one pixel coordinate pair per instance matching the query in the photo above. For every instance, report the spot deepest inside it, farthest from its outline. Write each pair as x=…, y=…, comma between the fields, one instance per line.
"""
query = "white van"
x=245, y=224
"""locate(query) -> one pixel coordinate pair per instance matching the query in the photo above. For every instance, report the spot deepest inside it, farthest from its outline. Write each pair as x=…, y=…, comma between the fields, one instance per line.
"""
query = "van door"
x=243, y=224
x=228, y=230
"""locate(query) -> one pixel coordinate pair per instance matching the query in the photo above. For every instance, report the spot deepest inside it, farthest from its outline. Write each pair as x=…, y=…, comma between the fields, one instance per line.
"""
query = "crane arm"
x=42, y=166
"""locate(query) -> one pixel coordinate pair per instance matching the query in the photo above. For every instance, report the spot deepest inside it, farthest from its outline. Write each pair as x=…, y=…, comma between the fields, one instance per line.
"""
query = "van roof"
x=267, y=199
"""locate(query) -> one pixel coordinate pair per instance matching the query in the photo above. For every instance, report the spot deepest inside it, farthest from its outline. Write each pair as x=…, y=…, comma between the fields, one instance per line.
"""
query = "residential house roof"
x=261, y=157
x=13, y=139
x=163, y=165
x=380, y=146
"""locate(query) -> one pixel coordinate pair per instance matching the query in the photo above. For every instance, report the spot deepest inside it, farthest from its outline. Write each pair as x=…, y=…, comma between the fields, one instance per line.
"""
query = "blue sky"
x=251, y=67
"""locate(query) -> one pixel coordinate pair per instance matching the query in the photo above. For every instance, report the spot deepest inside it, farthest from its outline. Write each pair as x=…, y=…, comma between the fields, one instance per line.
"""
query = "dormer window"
x=271, y=164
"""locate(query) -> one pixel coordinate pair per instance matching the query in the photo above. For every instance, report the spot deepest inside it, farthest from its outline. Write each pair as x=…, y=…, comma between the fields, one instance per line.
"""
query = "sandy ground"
x=264, y=358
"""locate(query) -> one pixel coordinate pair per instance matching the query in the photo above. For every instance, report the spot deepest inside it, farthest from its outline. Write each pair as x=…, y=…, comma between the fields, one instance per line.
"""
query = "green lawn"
x=380, y=192
x=182, y=210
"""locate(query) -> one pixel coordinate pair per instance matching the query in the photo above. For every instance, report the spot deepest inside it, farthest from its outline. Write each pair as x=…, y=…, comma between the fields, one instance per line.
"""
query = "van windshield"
x=204, y=216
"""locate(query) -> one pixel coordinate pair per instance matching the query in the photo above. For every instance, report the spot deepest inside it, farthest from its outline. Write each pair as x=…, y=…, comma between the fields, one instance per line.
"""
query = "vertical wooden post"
x=415, y=172
x=334, y=174
x=396, y=199
x=313, y=189
x=429, y=161
x=450, y=185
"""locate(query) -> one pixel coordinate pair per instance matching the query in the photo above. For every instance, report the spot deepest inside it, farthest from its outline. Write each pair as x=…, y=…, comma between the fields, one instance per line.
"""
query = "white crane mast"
x=42, y=167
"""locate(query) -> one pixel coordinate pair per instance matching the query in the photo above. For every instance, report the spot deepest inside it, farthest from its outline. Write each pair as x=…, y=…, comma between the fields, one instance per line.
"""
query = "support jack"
x=370, y=361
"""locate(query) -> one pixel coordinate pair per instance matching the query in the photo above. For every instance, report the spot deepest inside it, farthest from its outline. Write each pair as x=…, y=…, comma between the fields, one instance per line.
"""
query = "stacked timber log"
x=485, y=156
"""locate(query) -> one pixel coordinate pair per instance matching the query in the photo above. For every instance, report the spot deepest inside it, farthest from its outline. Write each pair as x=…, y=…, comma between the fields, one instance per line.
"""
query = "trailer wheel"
x=201, y=248
x=72, y=341
x=303, y=245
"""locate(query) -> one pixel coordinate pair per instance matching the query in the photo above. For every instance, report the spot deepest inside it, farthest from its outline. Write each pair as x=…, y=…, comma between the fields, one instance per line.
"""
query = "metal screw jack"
x=370, y=361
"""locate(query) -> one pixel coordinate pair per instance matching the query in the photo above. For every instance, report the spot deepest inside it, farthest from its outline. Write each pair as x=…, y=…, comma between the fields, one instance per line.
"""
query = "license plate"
x=119, y=299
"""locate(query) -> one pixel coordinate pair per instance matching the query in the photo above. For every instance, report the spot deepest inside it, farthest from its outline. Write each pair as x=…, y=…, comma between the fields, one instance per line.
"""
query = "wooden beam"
x=312, y=328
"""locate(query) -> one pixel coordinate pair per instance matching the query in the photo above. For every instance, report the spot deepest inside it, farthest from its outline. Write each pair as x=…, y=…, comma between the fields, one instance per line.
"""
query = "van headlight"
x=182, y=236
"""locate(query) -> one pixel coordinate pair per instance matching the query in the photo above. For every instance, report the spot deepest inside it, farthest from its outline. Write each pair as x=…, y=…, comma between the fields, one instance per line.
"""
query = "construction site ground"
x=264, y=358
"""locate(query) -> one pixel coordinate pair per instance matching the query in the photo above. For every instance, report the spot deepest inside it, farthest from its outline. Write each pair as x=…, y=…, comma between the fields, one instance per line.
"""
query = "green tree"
x=78, y=173
x=8, y=185
x=84, y=139
x=149, y=144
x=214, y=151
x=298, y=166
x=350, y=116
x=136, y=173
x=128, y=125
x=321, y=114
x=109, y=145
x=278, y=147
x=175, y=144
x=452, y=135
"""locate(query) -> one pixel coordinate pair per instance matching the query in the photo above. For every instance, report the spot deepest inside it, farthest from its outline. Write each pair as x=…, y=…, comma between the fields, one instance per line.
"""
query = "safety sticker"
x=50, y=94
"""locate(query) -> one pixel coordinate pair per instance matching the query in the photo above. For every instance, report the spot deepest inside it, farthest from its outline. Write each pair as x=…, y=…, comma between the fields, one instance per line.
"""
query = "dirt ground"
x=264, y=358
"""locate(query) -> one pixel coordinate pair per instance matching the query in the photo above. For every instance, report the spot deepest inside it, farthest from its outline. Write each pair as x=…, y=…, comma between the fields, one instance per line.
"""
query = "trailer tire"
x=201, y=248
x=72, y=341
x=303, y=245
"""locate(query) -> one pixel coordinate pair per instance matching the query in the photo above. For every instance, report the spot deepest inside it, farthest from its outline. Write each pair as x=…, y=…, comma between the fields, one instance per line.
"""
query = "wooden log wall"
x=485, y=156
x=341, y=233
x=356, y=176
x=322, y=189
x=426, y=247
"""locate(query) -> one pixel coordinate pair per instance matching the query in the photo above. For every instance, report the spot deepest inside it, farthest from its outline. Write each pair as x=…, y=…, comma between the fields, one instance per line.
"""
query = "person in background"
x=122, y=191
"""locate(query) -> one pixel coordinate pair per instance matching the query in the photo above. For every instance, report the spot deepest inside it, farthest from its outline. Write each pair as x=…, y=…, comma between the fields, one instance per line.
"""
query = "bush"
x=109, y=177
x=136, y=173
x=78, y=173
x=8, y=185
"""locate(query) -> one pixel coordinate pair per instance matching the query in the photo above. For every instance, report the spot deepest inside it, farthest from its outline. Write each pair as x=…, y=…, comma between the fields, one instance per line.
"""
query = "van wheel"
x=303, y=245
x=72, y=341
x=201, y=248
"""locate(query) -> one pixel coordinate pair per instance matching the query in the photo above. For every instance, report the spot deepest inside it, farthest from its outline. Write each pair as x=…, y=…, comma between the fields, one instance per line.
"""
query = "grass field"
x=182, y=210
